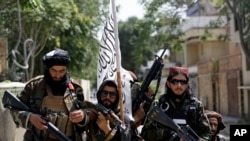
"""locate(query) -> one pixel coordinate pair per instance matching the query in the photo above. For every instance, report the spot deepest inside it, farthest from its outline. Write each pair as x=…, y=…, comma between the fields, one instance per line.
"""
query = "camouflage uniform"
x=187, y=111
x=195, y=118
x=49, y=98
x=32, y=96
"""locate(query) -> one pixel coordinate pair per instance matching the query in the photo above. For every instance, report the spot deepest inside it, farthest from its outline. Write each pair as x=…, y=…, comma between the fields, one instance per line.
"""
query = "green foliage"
x=141, y=39
x=218, y=2
x=134, y=50
x=71, y=25
x=162, y=19
x=206, y=35
x=223, y=37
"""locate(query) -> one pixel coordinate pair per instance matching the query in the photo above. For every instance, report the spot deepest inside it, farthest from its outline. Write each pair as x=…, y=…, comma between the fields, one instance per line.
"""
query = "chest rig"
x=56, y=111
x=184, y=114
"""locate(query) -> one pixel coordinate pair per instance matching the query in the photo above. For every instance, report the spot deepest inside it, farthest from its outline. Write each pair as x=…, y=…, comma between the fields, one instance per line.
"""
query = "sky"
x=129, y=8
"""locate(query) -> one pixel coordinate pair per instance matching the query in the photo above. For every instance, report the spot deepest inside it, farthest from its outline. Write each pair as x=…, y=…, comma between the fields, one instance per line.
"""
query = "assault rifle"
x=108, y=113
x=10, y=101
x=184, y=132
x=111, y=116
x=154, y=73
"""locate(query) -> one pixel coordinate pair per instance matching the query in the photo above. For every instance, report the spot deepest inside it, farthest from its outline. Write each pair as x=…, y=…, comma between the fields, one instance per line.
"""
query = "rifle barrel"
x=153, y=73
x=56, y=132
x=9, y=100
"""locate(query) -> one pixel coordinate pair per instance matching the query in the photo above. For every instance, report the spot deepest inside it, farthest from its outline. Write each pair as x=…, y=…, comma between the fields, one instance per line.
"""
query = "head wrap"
x=56, y=57
x=174, y=70
x=214, y=114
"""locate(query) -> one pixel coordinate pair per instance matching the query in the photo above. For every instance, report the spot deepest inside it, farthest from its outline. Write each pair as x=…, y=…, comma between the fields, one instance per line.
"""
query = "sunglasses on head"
x=176, y=81
x=105, y=93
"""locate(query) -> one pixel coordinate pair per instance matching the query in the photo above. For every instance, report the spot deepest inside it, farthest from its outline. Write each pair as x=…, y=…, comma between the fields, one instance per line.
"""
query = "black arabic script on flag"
x=107, y=54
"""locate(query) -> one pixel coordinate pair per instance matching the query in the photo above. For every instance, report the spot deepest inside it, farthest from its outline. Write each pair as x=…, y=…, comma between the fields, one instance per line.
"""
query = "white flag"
x=109, y=54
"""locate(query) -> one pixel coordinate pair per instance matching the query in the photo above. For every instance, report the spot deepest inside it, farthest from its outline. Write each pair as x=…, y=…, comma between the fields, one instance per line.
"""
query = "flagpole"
x=118, y=61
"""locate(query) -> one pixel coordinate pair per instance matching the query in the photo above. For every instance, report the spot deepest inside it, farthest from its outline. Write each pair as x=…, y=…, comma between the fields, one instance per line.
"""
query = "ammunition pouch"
x=56, y=112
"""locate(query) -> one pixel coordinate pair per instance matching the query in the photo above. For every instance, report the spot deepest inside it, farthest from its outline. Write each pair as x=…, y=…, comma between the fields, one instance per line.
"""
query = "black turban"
x=57, y=57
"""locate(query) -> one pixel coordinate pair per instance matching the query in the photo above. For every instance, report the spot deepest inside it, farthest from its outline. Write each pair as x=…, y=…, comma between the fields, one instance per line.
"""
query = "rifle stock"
x=10, y=101
x=184, y=132
x=154, y=72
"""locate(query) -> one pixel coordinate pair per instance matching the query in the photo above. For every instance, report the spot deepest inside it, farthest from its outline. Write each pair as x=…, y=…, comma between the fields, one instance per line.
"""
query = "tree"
x=71, y=25
x=133, y=55
x=241, y=12
x=140, y=39
x=162, y=19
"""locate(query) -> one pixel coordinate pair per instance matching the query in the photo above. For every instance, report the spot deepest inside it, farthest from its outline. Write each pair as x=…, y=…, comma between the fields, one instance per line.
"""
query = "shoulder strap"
x=192, y=112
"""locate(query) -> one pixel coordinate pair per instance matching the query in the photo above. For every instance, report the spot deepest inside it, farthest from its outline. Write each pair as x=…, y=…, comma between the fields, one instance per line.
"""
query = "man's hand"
x=139, y=114
x=38, y=121
x=92, y=113
x=76, y=116
x=103, y=123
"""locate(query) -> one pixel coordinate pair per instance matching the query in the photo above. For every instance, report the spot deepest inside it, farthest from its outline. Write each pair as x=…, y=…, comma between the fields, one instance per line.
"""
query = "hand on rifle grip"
x=139, y=114
x=92, y=113
x=38, y=121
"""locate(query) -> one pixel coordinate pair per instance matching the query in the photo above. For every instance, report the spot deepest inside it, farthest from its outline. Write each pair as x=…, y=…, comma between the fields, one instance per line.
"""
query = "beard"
x=57, y=87
x=108, y=104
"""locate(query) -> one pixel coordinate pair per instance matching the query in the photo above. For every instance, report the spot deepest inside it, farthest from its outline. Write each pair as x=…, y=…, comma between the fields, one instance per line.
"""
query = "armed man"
x=178, y=115
x=105, y=126
x=53, y=98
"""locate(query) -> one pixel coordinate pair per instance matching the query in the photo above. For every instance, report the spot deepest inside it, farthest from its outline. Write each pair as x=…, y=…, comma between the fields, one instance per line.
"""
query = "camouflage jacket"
x=191, y=110
x=32, y=96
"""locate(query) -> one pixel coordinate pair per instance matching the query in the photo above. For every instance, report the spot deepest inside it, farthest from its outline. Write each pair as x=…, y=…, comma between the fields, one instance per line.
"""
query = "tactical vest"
x=57, y=113
x=189, y=112
x=37, y=90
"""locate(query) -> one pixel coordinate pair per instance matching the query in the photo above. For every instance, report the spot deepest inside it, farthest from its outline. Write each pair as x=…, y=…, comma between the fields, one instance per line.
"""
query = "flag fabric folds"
x=109, y=57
